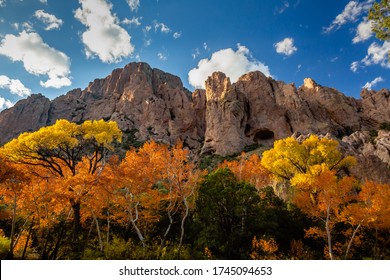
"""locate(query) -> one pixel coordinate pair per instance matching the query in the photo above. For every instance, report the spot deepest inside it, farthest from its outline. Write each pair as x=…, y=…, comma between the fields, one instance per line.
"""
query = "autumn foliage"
x=69, y=191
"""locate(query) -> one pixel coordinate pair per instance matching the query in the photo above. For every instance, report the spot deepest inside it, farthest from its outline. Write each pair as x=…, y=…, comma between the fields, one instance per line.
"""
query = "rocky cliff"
x=222, y=119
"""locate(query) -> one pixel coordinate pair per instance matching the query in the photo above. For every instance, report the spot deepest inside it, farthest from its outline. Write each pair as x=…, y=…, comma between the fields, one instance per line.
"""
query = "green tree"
x=225, y=213
x=380, y=16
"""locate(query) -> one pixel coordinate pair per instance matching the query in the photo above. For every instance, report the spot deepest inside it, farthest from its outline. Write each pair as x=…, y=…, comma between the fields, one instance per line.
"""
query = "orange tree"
x=60, y=148
x=13, y=180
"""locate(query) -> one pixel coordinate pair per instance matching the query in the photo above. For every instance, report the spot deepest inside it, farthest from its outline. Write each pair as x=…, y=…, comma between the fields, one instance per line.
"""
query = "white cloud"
x=15, y=25
x=134, y=21
x=282, y=9
x=104, y=37
x=27, y=26
x=38, y=58
x=14, y=86
x=162, y=56
x=286, y=46
x=43, y=1
x=133, y=4
x=162, y=27
x=233, y=63
x=3, y=3
x=196, y=53
x=354, y=66
x=5, y=103
x=147, y=28
x=373, y=83
x=377, y=54
x=351, y=13
x=51, y=21
x=363, y=31
x=176, y=35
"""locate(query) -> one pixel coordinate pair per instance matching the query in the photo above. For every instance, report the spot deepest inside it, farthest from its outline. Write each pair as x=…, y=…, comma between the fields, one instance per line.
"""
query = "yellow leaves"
x=59, y=147
x=104, y=133
x=290, y=157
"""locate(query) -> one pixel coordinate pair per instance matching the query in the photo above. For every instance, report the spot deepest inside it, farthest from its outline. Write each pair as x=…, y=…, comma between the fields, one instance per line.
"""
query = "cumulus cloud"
x=233, y=63
x=363, y=31
x=134, y=21
x=51, y=21
x=377, y=54
x=43, y=1
x=38, y=58
x=373, y=83
x=133, y=4
x=352, y=11
x=3, y=3
x=104, y=37
x=14, y=86
x=286, y=46
x=5, y=103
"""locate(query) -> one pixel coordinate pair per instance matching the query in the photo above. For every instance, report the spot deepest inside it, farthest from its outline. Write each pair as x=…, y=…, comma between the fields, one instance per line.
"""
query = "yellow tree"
x=60, y=147
x=290, y=157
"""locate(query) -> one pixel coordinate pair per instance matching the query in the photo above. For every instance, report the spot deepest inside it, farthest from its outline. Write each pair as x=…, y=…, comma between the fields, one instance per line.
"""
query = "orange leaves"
x=320, y=190
x=264, y=249
x=371, y=207
x=249, y=169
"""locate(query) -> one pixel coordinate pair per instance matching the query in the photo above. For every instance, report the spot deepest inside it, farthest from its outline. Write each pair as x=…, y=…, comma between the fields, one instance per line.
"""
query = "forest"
x=85, y=191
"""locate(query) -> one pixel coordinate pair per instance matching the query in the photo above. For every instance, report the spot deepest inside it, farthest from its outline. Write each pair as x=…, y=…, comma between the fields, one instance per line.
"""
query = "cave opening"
x=264, y=135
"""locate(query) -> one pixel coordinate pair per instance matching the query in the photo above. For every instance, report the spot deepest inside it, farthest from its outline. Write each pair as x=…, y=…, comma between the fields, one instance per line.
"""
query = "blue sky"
x=51, y=46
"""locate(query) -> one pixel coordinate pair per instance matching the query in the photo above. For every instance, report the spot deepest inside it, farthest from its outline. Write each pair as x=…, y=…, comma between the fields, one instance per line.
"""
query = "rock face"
x=148, y=101
x=222, y=119
x=27, y=115
x=372, y=154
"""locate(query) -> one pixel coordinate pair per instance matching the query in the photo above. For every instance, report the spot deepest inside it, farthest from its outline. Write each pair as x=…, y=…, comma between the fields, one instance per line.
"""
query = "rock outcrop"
x=222, y=119
x=372, y=153
x=148, y=101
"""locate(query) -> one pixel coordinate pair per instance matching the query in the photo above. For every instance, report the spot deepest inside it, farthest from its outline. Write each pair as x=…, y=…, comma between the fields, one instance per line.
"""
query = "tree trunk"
x=28, y=239
x=134, y=223
x=328, y=234
x=98, y=232
x=12, y=245
x=351, y=241
x=183, y=220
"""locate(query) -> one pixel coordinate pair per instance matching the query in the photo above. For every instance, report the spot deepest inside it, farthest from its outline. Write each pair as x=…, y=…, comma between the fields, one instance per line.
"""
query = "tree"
x=60, y=148
x=370, y=209
x=180, y=180
x=380, y=16
x=12, y=182
x=135, y=178
x=321, y=194
x=290, y=157
x=249, y=169
x=226, y=210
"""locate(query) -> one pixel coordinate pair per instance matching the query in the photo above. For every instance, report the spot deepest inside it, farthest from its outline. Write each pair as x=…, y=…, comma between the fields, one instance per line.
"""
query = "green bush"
x=4, y=247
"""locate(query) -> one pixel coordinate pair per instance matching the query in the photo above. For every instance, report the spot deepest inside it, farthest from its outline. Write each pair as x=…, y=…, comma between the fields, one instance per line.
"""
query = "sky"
x=52, y=46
